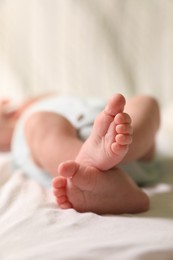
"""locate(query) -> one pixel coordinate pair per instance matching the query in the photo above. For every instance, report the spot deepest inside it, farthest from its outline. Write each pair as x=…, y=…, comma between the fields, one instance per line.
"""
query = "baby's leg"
x=52, y=139
x=145, y=115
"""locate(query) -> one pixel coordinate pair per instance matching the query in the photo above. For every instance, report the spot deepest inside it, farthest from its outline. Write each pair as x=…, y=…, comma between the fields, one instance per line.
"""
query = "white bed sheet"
x=33, y=227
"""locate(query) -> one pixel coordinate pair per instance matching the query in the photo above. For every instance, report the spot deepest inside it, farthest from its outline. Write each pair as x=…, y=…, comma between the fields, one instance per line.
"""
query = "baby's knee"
x=152, y=103
x=152, y=107
x=37, y=119
x=149, y=101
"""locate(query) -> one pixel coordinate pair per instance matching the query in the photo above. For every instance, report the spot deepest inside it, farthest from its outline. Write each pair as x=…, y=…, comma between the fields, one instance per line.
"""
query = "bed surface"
x=33, y=227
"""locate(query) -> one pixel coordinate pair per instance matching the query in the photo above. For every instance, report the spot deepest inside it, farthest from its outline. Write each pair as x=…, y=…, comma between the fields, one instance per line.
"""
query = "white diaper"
x=81, y=113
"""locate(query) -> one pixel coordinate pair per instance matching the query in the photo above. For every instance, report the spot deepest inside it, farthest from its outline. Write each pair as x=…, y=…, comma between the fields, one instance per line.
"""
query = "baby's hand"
x=7, y=123
x=8, y=108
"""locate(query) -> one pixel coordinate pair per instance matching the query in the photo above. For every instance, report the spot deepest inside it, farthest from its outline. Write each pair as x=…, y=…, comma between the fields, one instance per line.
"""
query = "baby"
x=87, y=173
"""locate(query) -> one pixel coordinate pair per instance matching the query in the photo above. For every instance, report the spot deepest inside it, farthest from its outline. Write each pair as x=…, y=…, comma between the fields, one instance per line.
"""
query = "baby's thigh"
x=46, y=124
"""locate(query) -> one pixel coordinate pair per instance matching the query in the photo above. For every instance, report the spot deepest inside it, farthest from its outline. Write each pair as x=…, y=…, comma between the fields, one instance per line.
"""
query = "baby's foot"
x=110, y=137
x=88, y=189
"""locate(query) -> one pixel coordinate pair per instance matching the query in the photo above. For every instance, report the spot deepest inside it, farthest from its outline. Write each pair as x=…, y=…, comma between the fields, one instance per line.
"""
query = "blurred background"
x=86, y=47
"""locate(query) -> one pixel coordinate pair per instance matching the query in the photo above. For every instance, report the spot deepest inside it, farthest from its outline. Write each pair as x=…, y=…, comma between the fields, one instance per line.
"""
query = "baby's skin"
x=94, y=182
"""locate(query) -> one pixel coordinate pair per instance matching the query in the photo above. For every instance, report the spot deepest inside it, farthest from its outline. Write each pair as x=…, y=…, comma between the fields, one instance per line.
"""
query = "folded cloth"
x=81, y=113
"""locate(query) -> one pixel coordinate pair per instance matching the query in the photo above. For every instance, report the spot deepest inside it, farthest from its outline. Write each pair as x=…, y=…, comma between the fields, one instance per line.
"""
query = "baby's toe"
x=62, y=199
x=68, y=168
x=124, y=129
x=59, y=192
x=121, y=150
x=66, y=205
x=59, y=182
x=122, y=118
x=122, y=139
